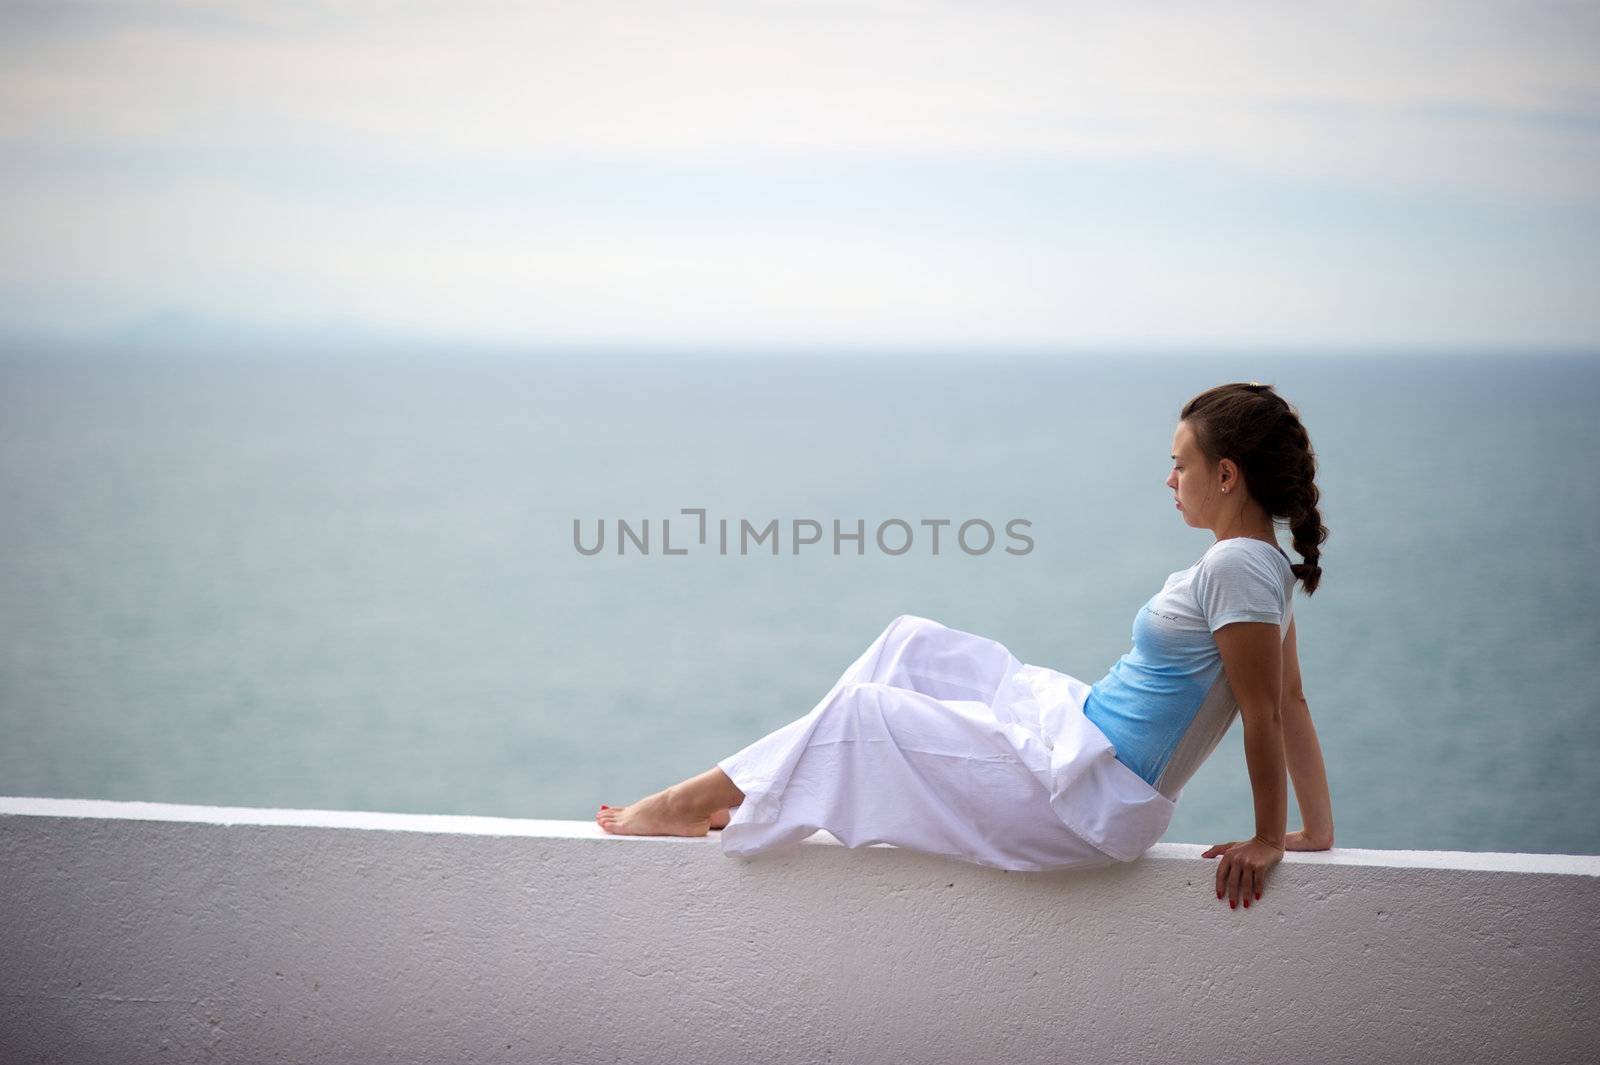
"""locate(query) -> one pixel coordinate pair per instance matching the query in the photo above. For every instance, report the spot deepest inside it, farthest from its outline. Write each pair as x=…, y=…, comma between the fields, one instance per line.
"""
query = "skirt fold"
x=941, y=741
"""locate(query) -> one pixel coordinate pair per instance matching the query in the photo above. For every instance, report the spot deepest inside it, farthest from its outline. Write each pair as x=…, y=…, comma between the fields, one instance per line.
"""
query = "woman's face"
x=1192, y=480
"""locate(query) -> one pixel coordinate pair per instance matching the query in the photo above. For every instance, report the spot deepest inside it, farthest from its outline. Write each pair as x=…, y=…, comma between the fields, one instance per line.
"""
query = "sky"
x=673, y=173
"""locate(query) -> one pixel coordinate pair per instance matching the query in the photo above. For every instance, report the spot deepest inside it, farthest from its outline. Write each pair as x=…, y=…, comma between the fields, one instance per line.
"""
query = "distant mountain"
x=181, y=331
x=178, y=329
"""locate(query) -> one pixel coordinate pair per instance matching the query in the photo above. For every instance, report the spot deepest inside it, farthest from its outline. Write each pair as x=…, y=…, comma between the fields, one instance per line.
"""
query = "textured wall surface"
x=138, y=932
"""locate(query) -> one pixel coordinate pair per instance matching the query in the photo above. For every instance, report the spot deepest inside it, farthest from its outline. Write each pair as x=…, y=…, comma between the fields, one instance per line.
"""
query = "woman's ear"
x=1228, y=473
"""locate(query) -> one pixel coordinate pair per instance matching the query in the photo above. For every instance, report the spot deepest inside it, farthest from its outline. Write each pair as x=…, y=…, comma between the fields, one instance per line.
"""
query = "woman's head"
x=1245, y=439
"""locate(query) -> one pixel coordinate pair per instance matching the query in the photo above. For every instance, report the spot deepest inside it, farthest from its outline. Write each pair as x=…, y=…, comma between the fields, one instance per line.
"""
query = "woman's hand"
x=1243, y=869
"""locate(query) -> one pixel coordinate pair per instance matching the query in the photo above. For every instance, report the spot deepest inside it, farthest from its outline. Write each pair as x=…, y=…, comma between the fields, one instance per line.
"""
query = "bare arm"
x=1303, y=754
x=1252, y=657
x=1253, y=660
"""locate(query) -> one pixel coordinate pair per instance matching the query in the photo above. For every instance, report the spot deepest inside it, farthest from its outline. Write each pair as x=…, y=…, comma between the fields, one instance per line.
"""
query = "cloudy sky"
x=719, y=173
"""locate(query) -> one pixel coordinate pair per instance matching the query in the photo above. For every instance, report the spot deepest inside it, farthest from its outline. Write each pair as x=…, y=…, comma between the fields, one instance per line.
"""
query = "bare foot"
x=721, y=818
x=654, y=815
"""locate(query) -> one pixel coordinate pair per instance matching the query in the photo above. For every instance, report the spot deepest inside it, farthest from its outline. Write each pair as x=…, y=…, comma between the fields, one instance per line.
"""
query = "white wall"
x=139, y=932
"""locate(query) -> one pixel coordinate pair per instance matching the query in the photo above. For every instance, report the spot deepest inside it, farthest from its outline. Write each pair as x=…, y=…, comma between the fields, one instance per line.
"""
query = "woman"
x=941, y=741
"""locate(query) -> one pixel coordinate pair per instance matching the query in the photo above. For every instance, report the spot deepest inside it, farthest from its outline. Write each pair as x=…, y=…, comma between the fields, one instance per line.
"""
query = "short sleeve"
x=1237, y=584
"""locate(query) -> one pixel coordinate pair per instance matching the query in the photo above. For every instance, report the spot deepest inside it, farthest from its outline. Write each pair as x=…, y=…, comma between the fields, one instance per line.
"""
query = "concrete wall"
x=138, y=932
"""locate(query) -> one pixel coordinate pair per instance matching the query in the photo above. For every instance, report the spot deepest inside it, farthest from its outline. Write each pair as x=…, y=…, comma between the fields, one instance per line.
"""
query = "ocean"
x=352, y=581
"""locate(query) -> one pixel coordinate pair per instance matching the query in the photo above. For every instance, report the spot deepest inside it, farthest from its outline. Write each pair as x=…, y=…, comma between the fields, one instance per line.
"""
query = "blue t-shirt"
x=1166, y=704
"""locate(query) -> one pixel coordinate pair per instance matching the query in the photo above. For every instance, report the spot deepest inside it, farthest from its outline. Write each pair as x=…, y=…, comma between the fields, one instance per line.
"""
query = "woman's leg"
x=883, y=764
x=912, y=653
x=921, y=655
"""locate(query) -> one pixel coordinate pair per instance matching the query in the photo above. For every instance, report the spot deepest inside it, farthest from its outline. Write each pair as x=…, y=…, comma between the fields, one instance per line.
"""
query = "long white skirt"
x=942, y=741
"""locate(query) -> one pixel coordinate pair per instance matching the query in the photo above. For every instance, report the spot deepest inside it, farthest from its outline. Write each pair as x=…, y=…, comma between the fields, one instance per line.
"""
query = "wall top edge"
x=470, y=825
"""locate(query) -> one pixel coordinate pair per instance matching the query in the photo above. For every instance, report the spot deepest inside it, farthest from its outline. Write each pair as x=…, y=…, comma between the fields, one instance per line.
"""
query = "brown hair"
x=1258, y=429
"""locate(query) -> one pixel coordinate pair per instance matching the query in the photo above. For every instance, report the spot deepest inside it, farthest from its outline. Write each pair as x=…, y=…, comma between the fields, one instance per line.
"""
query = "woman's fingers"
x=1238, y=880
x=1222, y=866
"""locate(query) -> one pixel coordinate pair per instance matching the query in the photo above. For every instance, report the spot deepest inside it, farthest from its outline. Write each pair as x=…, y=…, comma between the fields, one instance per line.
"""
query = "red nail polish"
x=1247, y=904
x=603, y=806
x=1232, y=905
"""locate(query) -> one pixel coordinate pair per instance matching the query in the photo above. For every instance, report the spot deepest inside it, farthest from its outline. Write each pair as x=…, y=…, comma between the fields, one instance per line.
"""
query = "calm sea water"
x=350, y=583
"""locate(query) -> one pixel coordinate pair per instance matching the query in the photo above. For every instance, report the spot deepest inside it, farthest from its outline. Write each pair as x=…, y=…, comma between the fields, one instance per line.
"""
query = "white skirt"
x=941, y=741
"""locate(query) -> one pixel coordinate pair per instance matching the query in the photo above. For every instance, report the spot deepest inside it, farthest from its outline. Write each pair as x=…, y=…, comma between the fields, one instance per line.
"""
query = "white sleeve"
x=1237, y=585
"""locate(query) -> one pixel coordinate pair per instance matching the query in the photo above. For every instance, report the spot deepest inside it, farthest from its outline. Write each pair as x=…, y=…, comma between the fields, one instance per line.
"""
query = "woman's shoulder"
x=1247, y=547
x=1236, y=581
x=1244, y=559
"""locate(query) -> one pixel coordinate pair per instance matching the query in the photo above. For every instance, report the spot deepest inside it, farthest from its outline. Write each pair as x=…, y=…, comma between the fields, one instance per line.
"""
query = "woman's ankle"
x=685, y=804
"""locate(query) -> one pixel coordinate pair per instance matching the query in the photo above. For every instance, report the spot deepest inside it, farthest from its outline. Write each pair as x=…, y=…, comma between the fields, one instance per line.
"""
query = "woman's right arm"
x=1303, y=756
